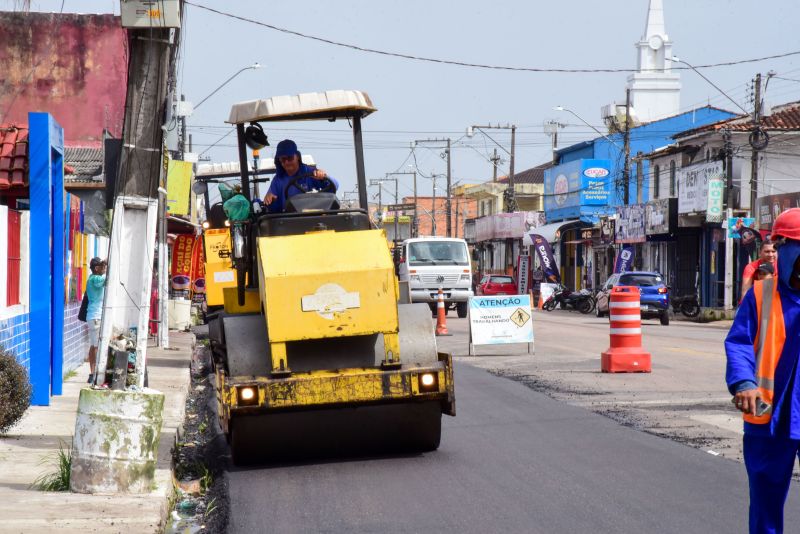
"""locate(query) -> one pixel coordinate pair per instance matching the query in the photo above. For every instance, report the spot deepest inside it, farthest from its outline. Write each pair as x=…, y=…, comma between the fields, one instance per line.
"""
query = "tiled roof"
x=785, y=117
x=83, y=164
x=13, y=156
x=529, y=176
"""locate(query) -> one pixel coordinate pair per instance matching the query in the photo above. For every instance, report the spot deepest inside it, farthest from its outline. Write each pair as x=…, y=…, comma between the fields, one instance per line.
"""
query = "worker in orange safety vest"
x=763, y=348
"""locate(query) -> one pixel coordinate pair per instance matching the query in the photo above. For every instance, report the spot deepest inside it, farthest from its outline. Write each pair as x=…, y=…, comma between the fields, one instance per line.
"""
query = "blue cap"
x=287, y=147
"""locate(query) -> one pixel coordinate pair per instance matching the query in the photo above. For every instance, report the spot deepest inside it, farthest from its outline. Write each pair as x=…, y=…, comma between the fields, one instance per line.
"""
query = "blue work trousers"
x=769, y=462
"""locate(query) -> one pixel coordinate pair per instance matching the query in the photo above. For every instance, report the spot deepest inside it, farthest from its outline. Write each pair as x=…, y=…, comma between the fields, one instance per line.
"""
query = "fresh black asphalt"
x=513, y=460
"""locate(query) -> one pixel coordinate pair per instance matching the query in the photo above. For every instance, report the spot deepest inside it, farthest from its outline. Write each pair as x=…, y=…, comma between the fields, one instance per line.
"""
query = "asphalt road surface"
x=513, y=460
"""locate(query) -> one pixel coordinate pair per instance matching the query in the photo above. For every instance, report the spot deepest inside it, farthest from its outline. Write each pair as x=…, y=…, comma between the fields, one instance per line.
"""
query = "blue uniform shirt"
x=741, y=365
x=281, y=179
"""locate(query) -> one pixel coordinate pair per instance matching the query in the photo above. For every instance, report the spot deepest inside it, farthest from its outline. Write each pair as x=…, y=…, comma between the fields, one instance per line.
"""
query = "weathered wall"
x=72, y=66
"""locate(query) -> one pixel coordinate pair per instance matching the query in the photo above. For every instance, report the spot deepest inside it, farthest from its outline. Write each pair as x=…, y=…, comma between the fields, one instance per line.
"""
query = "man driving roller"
x=288, y=166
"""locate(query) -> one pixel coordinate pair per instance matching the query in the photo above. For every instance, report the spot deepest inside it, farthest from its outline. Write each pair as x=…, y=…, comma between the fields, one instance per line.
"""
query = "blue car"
x=653, y=294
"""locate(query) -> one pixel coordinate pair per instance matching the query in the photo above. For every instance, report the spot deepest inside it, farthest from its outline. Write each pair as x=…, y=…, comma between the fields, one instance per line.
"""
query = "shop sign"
x=716, y=187
x=570, y=186
x=500, y=319
x=659, y=216
x=179, y=181
x=630, y=224
x=181, y=270
x=523, y=273
x=507, y=225
x=769, y=207
x=693, y=186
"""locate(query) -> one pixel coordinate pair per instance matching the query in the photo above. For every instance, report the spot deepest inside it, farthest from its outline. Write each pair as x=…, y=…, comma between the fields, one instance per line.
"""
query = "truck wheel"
x=433, y=309
x=462, y=308
x=664, y=318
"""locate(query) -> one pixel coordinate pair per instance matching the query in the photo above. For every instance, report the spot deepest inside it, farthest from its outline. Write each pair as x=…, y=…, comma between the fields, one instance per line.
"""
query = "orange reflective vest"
x=768, y=345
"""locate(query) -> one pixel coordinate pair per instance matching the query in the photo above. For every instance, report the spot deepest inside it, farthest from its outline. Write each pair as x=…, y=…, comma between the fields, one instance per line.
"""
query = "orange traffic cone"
x=441, y=317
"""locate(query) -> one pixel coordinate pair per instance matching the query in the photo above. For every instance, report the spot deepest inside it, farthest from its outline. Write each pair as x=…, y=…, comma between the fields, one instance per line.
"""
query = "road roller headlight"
x=206, y=225
x=428, y=382
x=227, y=222
x=414, y=278
x=247, y=395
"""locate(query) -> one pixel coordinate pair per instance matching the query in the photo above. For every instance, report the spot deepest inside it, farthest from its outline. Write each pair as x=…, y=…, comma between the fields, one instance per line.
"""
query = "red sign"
x=182, y=261
x=198, y=267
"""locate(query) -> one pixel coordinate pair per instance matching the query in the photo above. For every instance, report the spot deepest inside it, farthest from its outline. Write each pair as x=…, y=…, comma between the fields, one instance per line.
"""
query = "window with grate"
x=672, y=178
x=14, y=258
x=656, y=181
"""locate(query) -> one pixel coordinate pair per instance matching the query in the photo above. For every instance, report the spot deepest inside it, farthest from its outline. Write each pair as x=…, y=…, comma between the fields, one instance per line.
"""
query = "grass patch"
x=212, y=505
x=71, y=374
x=206, y=478
x=58, y=480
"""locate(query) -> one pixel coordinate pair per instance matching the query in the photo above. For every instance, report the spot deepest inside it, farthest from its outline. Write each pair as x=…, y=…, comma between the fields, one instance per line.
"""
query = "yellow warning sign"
x=520, y=317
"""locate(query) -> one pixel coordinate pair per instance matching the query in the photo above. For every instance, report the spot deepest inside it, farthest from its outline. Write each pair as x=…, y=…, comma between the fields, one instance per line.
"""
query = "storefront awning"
x=548, y=231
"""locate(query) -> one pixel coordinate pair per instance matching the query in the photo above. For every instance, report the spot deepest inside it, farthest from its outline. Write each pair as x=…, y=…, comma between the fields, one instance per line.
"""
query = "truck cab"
x=430, y=263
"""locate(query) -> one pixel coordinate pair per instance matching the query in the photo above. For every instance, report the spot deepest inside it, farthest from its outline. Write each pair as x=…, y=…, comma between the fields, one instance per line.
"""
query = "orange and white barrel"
x=626, y=354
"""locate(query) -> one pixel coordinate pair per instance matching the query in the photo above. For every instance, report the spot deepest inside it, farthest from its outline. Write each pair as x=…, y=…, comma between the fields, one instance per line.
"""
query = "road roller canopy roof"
x=326, y=105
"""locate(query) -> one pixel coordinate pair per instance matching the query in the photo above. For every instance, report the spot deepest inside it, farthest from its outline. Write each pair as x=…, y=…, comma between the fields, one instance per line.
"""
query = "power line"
x=468, y=64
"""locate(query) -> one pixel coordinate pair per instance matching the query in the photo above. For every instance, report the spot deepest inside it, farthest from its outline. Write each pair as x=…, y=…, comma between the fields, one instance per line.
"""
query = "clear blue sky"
x=419, y=100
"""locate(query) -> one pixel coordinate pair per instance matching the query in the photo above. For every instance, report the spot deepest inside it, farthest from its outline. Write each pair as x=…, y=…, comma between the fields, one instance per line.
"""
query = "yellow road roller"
x=313, y=351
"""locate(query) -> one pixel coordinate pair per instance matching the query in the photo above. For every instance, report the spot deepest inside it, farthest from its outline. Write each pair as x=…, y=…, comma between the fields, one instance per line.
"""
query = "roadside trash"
x=186, y=506
x=191, y=487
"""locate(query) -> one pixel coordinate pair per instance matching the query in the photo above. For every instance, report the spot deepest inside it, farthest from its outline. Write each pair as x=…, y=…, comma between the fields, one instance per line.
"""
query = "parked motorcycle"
x=582, y=300
x=687, y=305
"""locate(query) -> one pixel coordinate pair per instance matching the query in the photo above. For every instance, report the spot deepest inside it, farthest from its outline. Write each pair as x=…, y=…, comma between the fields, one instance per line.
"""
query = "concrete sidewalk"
x=43, y=428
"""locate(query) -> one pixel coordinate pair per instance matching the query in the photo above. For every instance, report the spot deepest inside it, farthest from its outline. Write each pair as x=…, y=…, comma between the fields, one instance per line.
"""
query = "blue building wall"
x=644, y=139
x=15, y=338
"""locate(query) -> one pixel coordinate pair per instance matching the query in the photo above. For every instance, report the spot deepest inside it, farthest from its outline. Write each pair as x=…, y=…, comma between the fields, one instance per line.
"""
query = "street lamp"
x=253, y=66
x=562, y=108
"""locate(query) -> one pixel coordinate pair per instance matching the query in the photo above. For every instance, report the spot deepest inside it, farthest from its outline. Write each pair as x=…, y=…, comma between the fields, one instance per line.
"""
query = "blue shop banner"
x=575, y=185
x=625, y=259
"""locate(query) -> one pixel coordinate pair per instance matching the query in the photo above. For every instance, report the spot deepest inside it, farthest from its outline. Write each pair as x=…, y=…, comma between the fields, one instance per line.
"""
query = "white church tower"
x=655, y=90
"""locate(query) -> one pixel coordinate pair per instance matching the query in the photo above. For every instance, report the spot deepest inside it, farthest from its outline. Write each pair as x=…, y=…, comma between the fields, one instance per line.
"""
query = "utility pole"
x=511, y=202
x=509, y=196
x=414, y=227
x=551, y=128
x=433, y=206
x=458, y=198
x=639, y=178
x=441, y=143
x=182, y=118
x=728, y=150
x=140, y=196
x=447, y=203
x=754, y=153
x=495, y=161
x=396, y=214
x=626, y=171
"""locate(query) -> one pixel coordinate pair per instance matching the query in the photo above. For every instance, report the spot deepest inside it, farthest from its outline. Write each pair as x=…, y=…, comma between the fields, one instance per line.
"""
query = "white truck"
x=430, y=263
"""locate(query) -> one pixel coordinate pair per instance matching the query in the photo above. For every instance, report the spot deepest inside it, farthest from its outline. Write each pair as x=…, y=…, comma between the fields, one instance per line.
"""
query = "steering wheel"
x=328, y=188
